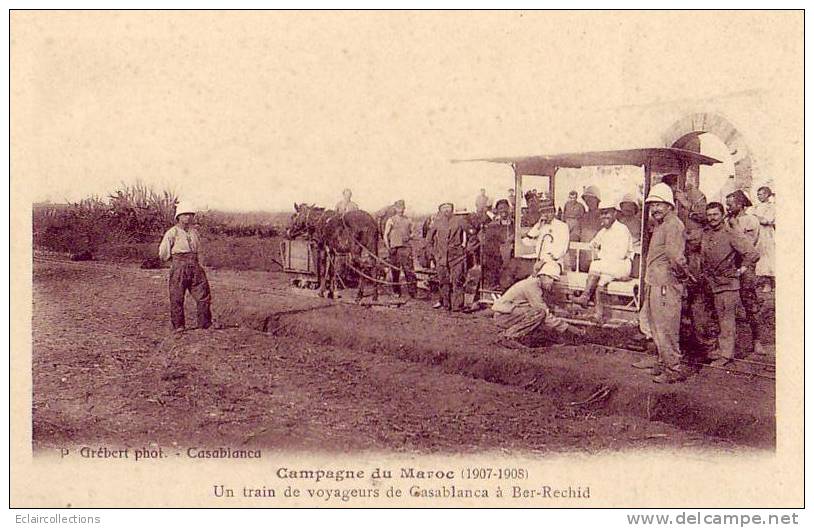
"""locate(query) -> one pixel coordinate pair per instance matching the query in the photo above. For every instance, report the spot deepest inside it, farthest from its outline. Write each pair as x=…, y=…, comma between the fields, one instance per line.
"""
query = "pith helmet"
x=591, y=190
x=608, y=204
x=660, y=192
x=184, y=208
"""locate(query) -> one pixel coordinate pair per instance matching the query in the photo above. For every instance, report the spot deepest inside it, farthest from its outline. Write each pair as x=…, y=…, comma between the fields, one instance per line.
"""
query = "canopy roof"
x=546, y=164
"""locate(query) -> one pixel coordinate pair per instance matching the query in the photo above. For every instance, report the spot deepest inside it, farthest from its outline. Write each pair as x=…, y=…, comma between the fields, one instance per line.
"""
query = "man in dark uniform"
x=498, y=242
x=728, y=258
x=739, y=219
x=446, y=237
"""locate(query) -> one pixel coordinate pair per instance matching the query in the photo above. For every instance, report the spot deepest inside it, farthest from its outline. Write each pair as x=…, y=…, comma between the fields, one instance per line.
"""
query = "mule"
x=354, y=235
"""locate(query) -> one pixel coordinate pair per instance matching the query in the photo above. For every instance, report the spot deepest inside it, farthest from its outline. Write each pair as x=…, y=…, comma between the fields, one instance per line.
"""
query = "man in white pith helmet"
x=666, y=267
x=613, y=247
x=522, y=309
x=181, y=243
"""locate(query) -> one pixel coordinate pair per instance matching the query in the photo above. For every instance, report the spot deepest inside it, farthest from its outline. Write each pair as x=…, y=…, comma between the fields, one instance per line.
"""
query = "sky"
x=257, y=111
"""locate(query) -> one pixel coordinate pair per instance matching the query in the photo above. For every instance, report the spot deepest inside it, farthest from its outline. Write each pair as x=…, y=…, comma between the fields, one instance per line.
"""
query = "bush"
x=131, y=221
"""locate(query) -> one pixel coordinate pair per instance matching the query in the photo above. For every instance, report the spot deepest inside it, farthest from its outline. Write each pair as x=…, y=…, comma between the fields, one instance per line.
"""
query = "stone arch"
x=684, y=133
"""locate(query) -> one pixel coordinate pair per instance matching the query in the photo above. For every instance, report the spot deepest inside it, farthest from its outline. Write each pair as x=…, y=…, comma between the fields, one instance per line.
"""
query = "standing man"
x=398, y=232
x=764, y=212
x=589, y=223
x=521, y=310
x=703, y=327
x=660, y=315
x=550, y=238
x=630, y=215
x=572, y=213
x=696, y=208
x=181, y=243
x=437, y=241
x=346, y=204
x=483, y=203
x=512, y=199
x=728, y=256
x=447, y=240
x=749, y=226
x=690, y=205
x=614, y=254
x=497, y=243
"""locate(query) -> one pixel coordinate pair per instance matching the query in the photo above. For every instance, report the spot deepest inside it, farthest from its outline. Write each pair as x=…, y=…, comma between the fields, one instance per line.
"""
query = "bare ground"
x=297, y=372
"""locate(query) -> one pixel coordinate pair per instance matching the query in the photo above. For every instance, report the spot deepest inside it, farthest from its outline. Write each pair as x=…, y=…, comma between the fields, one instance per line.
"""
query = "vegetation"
x=132, y=219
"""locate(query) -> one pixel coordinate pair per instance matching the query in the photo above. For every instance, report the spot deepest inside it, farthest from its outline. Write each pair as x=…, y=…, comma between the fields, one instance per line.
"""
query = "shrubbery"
x=133, y=214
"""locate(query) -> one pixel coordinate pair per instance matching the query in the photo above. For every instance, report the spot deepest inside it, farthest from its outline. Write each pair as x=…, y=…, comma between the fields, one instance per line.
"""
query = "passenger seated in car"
x=614, y=253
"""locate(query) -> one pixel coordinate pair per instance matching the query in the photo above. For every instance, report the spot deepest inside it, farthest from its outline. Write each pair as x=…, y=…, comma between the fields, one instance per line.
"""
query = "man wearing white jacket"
x=551, y=238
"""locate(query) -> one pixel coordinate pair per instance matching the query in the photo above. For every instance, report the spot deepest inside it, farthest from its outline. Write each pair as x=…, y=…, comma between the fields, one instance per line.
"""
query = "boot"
x=671, y=376
x=757, y=346
x=599, y=307
x=590, y=287
x=647, y=363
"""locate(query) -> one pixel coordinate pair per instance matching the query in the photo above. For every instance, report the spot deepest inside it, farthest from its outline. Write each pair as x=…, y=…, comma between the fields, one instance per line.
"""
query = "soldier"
x=764, y=212
x=703, y=327
x=521, y=310
x=630, y=215
x=660, y=315
x=446, y=237
x=614, y=254
x=497, y=243
x=181, y=243
x=483, y=203
x=589, y=223
x=346, y=204
x=728, y=257
x=748, y=225
x=572, y=213
x=550, y=238
x=512, y=199
x=398, y=231
x=690, y=205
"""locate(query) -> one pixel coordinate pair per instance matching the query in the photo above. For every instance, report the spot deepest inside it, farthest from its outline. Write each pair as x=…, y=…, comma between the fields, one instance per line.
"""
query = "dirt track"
x=299, y=372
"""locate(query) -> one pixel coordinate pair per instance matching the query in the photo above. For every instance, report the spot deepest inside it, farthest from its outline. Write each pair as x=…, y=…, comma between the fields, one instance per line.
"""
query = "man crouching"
x=181, y=243
x=521, y=310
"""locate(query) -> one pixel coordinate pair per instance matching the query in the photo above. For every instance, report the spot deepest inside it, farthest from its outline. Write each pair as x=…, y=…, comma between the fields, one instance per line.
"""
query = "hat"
x=591, y=190
x=660, y=192
x=450, y=204
x=573, y=193
x=547, y=207
x=608, y=204
x=184, y=208
x=502, y=201
x=741, y=197
x=629, y=198
x=399, y=203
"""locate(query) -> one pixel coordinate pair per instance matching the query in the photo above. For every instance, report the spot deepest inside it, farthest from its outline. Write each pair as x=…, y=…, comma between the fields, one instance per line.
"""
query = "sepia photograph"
x=406, y=258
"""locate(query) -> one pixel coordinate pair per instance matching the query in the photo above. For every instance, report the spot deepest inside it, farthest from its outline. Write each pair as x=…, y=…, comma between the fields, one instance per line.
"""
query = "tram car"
x=547, y=180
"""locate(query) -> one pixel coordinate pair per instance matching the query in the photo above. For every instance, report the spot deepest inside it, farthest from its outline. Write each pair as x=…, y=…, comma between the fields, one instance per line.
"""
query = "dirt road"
x=298, y=372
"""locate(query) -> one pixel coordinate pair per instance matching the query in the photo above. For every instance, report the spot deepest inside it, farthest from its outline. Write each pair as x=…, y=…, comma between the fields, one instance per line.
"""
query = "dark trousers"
x=751, y=304
x=703, y=328
x=452, y=278
x=187, y=274
x=402, y=257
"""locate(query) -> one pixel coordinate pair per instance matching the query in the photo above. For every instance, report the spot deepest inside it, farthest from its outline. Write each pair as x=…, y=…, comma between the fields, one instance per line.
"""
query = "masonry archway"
x=687, y=133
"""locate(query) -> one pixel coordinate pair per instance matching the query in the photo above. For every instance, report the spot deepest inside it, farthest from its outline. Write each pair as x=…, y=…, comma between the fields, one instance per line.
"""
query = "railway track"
x=759, y=370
